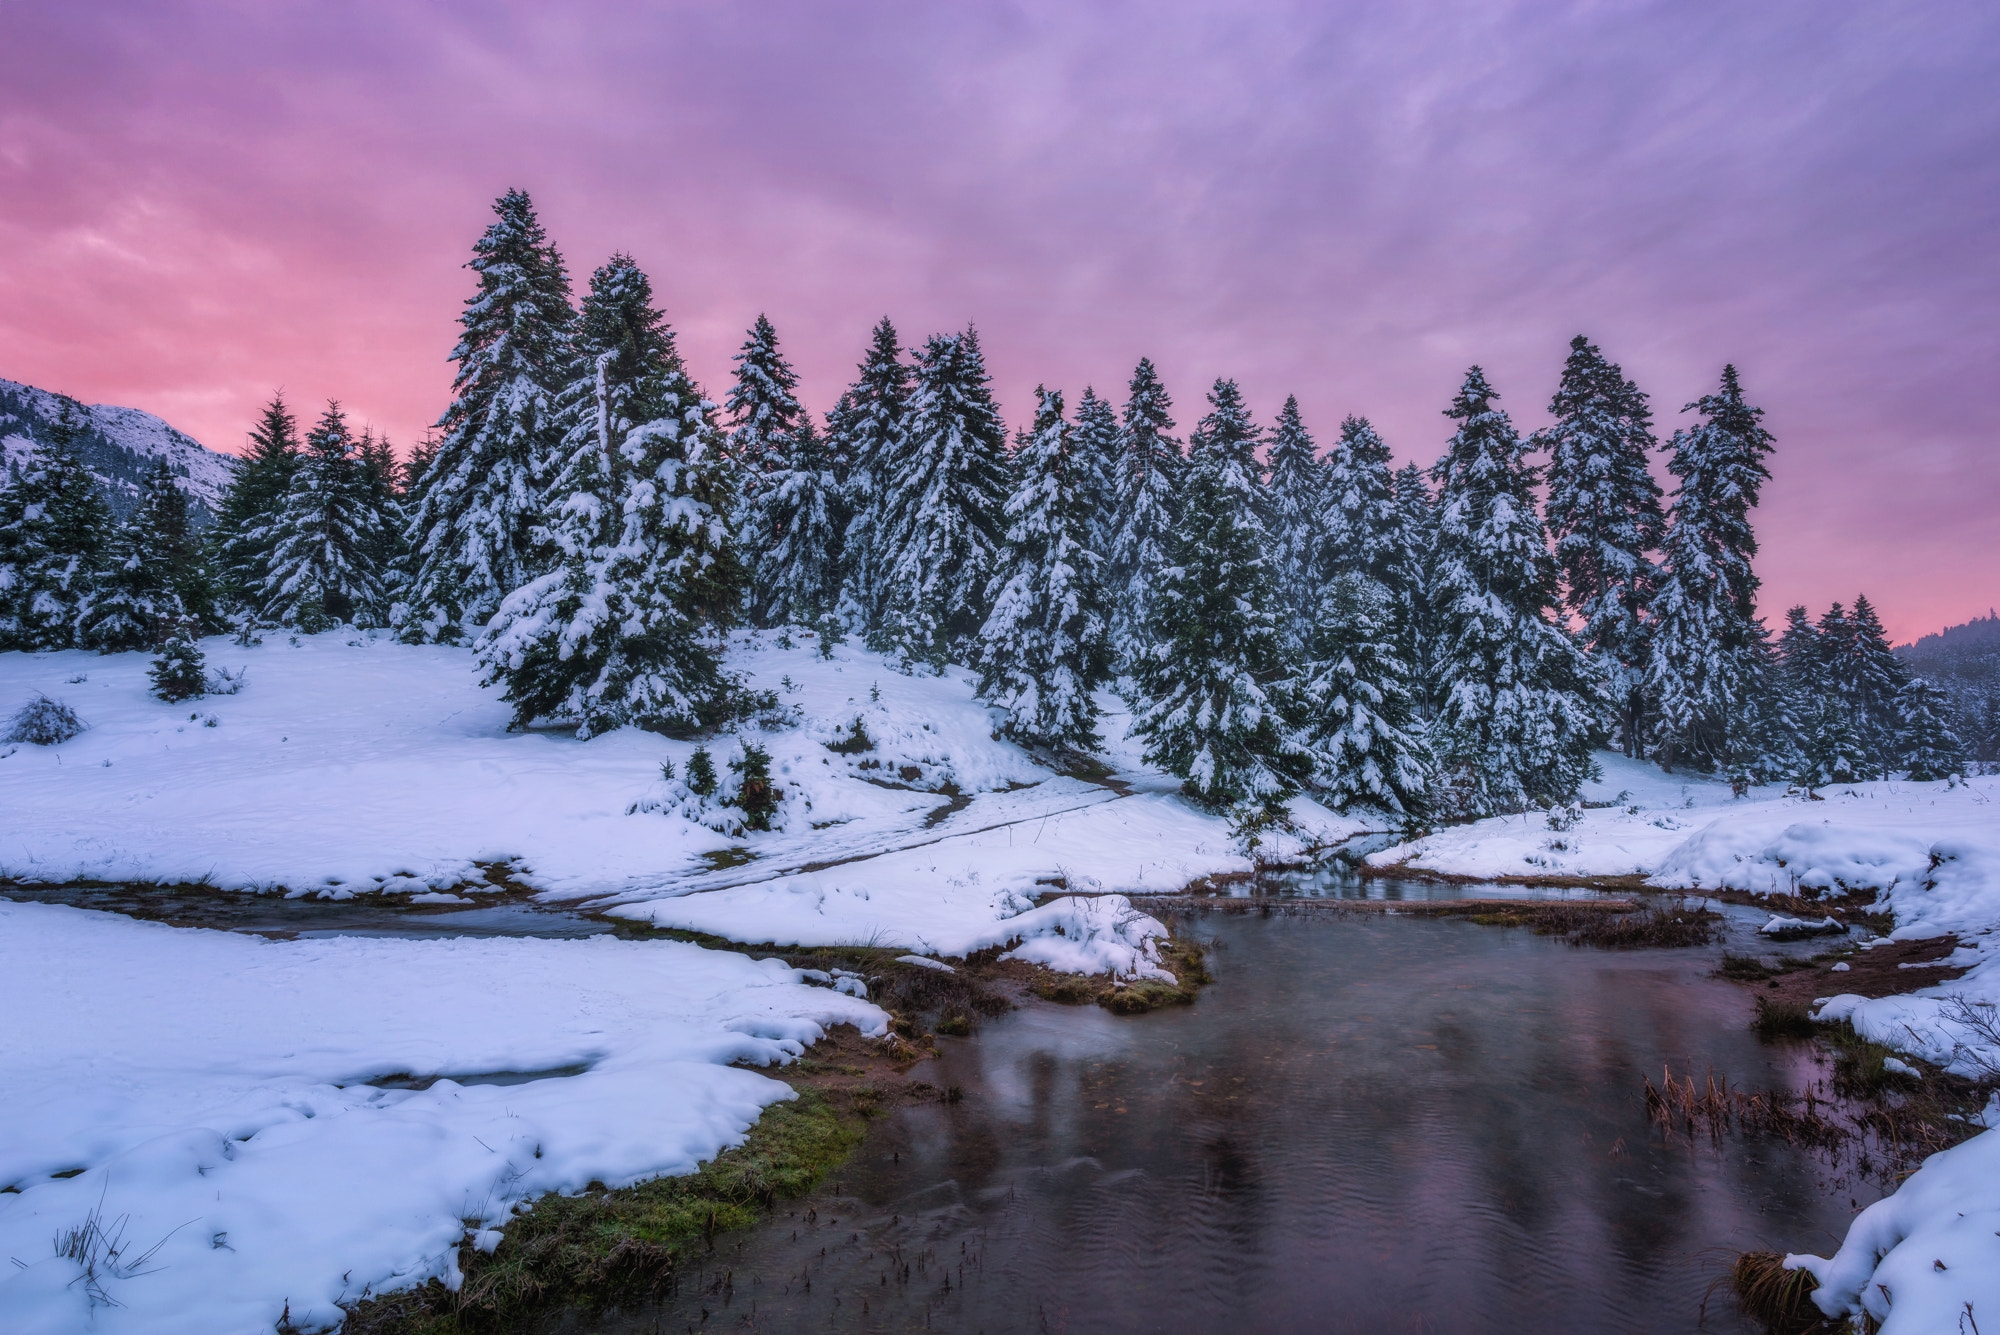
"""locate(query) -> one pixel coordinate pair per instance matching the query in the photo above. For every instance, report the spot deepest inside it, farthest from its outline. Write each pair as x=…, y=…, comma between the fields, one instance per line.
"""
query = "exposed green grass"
x=604, y=1247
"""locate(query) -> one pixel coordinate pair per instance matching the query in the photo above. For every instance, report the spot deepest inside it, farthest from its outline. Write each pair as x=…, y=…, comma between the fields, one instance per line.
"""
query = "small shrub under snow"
x=43, y=722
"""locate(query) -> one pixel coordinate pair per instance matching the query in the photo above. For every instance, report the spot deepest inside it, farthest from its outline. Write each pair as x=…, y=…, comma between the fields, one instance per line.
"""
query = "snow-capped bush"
x=224, y=682
x=730, y=798
x=43, y=722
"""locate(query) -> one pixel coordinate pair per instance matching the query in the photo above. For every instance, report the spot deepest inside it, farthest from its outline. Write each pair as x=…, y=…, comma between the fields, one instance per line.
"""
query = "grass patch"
x=1656, y=926
x=1753, y=969
x=1781, y=1018
x=1779, y=1298
x=604, y=1248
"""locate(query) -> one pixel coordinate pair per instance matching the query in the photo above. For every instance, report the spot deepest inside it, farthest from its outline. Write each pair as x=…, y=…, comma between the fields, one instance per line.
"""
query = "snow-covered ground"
x=351, y=764
x=214, y=1090
x=1932, y=850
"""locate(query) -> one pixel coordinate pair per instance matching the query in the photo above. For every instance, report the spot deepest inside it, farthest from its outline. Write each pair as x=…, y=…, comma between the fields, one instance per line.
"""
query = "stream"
x=1364, y=1124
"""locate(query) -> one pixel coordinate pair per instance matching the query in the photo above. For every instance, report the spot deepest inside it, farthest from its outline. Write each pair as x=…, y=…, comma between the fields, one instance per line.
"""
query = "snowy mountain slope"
x=119, y=444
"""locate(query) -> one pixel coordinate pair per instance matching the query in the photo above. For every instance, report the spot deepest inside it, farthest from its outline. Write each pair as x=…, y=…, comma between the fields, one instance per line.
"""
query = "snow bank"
x=1926, y=1258
x=214, y=1090
x=1100, y=935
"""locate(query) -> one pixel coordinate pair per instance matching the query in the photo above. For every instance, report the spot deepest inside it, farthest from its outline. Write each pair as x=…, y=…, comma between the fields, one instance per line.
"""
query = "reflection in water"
x=1368, y=1125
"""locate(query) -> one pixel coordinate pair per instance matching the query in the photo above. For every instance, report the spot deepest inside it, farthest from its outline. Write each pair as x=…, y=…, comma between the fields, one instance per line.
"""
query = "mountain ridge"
x=118, y=445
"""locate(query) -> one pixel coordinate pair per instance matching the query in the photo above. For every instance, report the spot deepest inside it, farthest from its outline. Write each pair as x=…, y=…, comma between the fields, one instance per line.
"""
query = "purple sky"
x=202, y=203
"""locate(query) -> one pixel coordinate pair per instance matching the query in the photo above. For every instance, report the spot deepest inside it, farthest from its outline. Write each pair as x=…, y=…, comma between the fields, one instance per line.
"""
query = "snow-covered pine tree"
x=324, y=540
x=1360, y=521
x=1356, y=702
x=1096, y=451
x=1219, y=703
x=621, y=630
x=471, y=528
x=176, y=673
x=385, y=482
x=1522, y=709
x=868, y=434
x=790, y=529
x=1292, y=509
x=1829, y=746
x=1604, y=516
x=156, y=577
x=943, y=507
x=1046, y=645
x=1931, y=749
x=1149, y=474
x=53, y=526
x=763, y=410
x=256, y=491
x=1408, y=576
x=1703, y=603
x=1877, y=678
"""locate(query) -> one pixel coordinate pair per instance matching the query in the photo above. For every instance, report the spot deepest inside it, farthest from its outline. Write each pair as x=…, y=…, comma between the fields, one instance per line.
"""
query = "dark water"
x=1364, y=1125
x=279, y=916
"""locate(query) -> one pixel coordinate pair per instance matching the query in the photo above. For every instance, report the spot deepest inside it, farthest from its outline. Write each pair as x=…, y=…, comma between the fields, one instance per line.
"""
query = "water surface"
x=1364, y=1125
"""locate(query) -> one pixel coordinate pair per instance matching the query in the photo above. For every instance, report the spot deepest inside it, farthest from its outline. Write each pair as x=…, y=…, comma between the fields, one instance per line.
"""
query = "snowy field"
x=214, y=1090
x=354, y=764
x=1933, y=851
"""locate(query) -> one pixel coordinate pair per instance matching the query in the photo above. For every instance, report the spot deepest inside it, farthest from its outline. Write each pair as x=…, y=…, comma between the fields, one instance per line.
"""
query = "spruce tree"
x=53, y=528
x=1829, y=746
x=764, y=413
x=1218, y=701
x=1930, y=746
x=325, y=538
x=1361, y=522
x=1704, y=640
x=1877, y=681
x=1293, y=503
x=156, y=577
x=1605, y=518
x=943, y=507
x=385, y=480
x=176, y=673
x=1148, y=483
x=256, y=491
x=790, y=529
x=1409, y=577
x=1096, y=452
x=1360, y=720
x=472, y=525
x=1046, y=645
x=621, y=630
x=1522, y=711
x=869, y=438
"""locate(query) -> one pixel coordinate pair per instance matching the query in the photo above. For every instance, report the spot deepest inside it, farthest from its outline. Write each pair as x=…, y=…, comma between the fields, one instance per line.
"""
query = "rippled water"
x=1365, y=1124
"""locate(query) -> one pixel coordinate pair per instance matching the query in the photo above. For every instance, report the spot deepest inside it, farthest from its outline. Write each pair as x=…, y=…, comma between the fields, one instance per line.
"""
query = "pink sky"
x=1350, y=202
